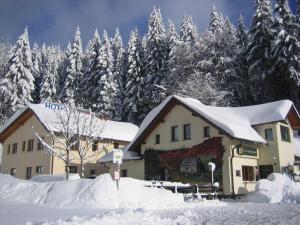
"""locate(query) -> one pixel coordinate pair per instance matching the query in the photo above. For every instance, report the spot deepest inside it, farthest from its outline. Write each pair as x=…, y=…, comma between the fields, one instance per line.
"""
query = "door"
x=28, y=173
x=265, y=171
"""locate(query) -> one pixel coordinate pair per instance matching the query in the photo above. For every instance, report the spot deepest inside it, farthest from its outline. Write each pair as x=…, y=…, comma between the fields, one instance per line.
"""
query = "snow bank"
x=98, y=193
x=276, y=188
x=58, y=177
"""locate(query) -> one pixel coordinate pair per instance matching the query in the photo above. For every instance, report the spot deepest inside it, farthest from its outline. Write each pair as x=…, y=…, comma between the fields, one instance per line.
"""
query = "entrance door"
x=28, y=173
x=265, y=171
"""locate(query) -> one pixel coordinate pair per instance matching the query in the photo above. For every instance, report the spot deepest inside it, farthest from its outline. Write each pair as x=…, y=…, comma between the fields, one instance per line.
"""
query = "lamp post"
x=212, y=168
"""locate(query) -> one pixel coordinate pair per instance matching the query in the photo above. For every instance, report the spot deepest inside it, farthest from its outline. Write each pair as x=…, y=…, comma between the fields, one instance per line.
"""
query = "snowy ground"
x=91, y=202
x=202, y=213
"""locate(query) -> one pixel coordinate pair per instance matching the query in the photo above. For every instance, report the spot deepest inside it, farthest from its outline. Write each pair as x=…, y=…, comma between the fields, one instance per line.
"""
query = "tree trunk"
x=67, y=165
x=81, y=168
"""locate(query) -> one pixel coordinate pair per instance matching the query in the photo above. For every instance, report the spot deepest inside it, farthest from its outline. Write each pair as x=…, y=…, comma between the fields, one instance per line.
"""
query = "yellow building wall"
x=23, y=159
x=135, y=168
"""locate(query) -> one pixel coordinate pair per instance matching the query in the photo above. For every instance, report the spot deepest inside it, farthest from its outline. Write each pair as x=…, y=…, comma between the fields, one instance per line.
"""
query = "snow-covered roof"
x=127, y=155
x=112, y=130
x=236, y=122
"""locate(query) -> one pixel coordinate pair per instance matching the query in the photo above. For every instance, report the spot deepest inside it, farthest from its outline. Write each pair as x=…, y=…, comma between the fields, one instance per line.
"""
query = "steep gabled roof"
x=235, y=122
x=112, y=130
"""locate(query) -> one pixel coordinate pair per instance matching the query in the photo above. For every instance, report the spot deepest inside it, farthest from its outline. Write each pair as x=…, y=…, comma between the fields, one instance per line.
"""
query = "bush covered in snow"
x=276, y=188
x=101, y=192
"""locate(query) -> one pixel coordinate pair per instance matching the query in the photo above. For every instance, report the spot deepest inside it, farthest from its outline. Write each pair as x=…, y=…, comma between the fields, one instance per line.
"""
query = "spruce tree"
x=259, y=57
x=72, y=91
x=188, y=31
x=216, y=21
x=36, y=72
x=92, y=74
x=134, y=76
x=118, y=73
x=17, y=85
x=106, y=86
x=154, y=60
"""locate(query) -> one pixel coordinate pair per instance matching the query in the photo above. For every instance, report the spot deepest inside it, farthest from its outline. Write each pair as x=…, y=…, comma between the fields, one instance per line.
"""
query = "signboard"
x=116, y=175
x=247, y=151
x=117, y=156
x=53, y=106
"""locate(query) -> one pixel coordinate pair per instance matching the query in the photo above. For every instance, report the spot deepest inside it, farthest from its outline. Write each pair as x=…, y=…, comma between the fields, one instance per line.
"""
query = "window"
x=248, y=173
x=40, y=145
x=23, y=146
x=174, y=133
x=124, y=173
x=39, y=169
x=93, y=172
x=30, y=145
x=116, y=145
x=13, y=172
x=74, y=142
x=187, y=135
x=28, y=173
x=157, y=139
x=269, y=134
x=15, y=148
x=73, y=169
x=95, y=146
x=285, y=133
x=206, y=131
x=8, y=149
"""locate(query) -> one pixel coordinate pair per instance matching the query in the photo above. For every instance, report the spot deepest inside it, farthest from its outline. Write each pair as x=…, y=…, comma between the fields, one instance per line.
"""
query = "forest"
x=224, y=65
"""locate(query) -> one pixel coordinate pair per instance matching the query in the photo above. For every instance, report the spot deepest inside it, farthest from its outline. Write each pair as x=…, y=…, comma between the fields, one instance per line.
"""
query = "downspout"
x=52, y=159
x=231, y=168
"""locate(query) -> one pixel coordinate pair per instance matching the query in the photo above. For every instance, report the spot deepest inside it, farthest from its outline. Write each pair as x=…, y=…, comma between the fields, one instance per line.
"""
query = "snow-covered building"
x=245, y=143
x=25, y=155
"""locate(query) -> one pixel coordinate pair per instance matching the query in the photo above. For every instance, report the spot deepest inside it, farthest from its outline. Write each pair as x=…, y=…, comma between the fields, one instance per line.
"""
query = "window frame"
x=206, y=131
x=185, y=133
x=266, y=136
x=40, y=145
x=95, y=146
x=116, y=145
x=23, y=146
x=8, y=149
x=30, y=145
x=14, y=148
x=288, y=132
x=13, y=172
x=248, y=173
x=124, y=173
x=28, y=175
x=39, y=169
x=70, y=169
x=157, y=139
x=174, y=135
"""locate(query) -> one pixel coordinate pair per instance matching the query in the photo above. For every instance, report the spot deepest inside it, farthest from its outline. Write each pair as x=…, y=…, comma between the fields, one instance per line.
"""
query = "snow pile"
x=98, y=193
x=58, y=177
x=276, y=188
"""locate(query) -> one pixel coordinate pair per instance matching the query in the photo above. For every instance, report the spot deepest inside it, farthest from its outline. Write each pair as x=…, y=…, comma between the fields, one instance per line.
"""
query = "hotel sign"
x=53, y=106
x=247, y=151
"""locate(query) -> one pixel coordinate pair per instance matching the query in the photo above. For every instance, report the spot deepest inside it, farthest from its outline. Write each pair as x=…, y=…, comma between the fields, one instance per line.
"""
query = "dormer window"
x=269, y=134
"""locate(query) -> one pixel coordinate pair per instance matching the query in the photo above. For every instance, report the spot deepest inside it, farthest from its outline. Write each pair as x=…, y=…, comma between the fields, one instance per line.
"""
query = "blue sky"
x=54, y=21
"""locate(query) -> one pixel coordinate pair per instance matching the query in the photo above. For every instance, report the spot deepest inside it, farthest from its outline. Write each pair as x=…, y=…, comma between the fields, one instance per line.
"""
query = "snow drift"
x=276, y=188
x=98, y=193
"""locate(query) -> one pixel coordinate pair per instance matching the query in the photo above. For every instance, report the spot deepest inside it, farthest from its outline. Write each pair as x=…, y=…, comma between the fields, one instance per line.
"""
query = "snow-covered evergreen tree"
x=18, y=83
x=92, y=75
x=259, y=57
x=36, y=72
x=134, y=77
x=155, y=52
x=188, y=31
x=50, y=75
x=216, y=21
x=106, y=86
x=118, y=73
x=72, y=91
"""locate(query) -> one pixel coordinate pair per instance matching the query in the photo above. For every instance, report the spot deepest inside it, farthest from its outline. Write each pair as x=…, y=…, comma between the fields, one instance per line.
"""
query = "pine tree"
x=62, y=72
x=72, y=91
x=106, y=86
x=188, y=31
x=154, y=60
x=216, y=21
x=133, y=105
x=241, y=87
x=118, y=73
x=91, y=75
x=36, y=72
x=259, y=49
x=285, y=53
x=18, y=83
x=50, y=75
